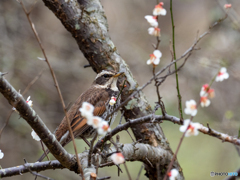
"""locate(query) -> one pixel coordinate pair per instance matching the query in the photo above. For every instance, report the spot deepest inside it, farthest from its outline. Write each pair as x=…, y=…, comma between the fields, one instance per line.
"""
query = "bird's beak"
x=118, y=74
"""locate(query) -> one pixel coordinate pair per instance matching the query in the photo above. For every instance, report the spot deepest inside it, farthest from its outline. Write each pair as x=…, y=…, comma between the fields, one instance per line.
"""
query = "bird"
x=103, y=88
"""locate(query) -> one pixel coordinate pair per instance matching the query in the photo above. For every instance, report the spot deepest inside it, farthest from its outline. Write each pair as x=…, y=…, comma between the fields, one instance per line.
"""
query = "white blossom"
x=112, y=101
x=159, y=10
x=205, y=102
x=222, y=74
x=117, y=158
x=191, y=108
x=87, y=110
x=103, y=128
x=154, y=31
x=1, y=154
x=96, y=121
x=152, y=20
x=155, y=58
x=35, y=136
x=191, y=129
x=173, y=174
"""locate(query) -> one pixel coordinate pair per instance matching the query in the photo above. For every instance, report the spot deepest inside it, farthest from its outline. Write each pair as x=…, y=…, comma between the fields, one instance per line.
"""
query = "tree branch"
x=132, y=152
x=26, y=112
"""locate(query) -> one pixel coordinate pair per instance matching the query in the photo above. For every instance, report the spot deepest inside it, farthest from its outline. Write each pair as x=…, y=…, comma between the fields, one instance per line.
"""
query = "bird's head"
x=107, y=79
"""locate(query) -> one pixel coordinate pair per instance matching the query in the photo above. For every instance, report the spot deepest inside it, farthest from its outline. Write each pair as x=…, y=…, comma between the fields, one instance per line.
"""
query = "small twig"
x=209, y=129
x=91, y=150
x=32, y=7
x=56, y=84
x=139, y=173
x=86, y=66
x=130, y=135
x=158, y=93
x=34, y=173
x=6, y=123
x=97, y=164
x=44, y=149
x=115, y=145
x=149, y=162
x=120, y=121
x=33, y=81
x=129, y=176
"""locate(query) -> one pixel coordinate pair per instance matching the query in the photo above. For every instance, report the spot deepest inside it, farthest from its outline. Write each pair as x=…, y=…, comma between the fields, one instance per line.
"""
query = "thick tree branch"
x=26, y=112
x=132, y=152
x=37, y=166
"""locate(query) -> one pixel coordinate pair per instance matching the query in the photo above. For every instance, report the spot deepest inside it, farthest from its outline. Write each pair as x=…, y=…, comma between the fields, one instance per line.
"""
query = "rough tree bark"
x=86, y=21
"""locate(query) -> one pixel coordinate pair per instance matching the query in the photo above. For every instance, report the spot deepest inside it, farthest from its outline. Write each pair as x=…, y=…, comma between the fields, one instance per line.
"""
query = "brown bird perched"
x=99, y=94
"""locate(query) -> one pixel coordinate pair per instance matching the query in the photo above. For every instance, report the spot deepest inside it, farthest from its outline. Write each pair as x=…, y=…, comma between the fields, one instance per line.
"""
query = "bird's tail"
x=43, y=155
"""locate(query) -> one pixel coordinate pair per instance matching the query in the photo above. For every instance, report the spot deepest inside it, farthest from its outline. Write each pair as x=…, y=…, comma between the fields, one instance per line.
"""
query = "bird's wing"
x=98, y=100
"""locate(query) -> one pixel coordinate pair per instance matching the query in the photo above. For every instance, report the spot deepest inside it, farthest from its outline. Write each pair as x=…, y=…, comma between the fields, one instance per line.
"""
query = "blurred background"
x=198, y=156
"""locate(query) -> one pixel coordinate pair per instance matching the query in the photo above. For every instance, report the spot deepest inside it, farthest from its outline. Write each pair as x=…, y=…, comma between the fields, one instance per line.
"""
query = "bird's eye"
x=106, y=75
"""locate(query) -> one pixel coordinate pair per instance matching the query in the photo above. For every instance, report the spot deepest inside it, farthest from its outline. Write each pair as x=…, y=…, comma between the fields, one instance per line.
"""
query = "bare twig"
x=160, y=102
x=44, y=150
x=33, y=81
x=56, y=84
x=91, y=149
x=139, y=173
x=35, y=173
x=130, y=135
x=129, y=176
x=6, y=123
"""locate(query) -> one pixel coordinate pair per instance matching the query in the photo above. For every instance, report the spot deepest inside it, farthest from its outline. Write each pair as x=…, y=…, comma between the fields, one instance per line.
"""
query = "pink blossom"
x=154, y=31
x=173, y=174
x=112, y=101
x=117, y=158
x=87, y=110
x=190, y=128
x=226, y=6
x=152, y=20
x=155, y=58
x=222, y=74
x=206, y=91
x=205, y=102
x=191, y=107
x=159, y=10
x=95, y=121
x=103, y=128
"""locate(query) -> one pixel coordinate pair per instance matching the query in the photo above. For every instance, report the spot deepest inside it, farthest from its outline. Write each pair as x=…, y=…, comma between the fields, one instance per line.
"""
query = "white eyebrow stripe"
x=103, y=72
